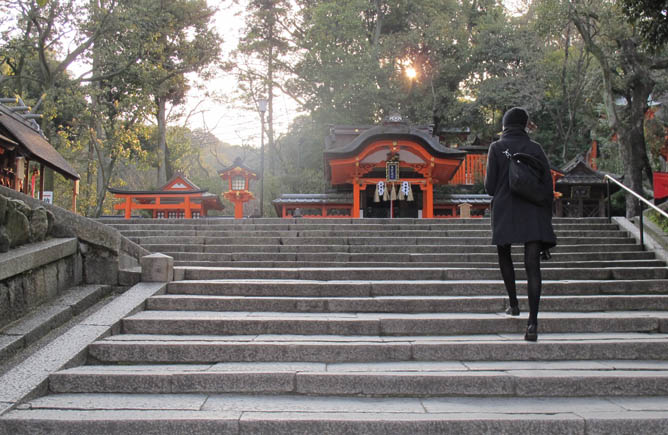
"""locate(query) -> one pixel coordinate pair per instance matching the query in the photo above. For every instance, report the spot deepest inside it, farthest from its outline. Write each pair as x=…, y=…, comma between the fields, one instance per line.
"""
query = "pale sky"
x=230, y=121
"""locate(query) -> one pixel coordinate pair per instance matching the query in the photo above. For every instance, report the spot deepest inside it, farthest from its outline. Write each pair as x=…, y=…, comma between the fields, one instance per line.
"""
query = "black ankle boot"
x=532, y=332
x=513, y=311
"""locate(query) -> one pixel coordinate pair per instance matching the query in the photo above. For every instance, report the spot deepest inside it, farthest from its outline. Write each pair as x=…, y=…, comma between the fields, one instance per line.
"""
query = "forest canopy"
x=586, y=70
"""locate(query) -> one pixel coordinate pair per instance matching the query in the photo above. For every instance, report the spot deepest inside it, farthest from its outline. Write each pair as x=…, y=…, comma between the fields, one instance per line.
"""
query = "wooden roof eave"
x=36, y=147
x=393, y=133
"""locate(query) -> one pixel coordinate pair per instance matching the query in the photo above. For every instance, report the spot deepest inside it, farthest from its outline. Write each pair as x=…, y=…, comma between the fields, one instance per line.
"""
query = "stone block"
x=157, y=268
x=39, y=225
x=238, y=382
x=4, y=201
x=17, y=300
x=5, y=241
x=77, y=269
x=51, y=280
x=64, y=274
x=18, y=226
x=100, y=266
x=5, y=308
x=36, y=288
x=51, y=218
x=120, y=422
x=10, y=344
x=608, y=423
x=21, y=206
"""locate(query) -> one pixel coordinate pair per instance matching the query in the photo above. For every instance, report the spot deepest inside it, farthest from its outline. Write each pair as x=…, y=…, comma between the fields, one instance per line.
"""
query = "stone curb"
x=30, y=378
x=48, y=316
x=34, y=255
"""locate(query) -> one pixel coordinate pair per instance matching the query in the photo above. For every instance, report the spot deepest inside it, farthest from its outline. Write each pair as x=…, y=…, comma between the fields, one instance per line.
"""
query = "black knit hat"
x=516, y=116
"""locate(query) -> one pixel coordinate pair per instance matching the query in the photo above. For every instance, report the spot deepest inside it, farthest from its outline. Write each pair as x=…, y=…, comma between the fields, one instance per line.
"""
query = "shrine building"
x=25, y=153
x=390, y=170
x=178, y=198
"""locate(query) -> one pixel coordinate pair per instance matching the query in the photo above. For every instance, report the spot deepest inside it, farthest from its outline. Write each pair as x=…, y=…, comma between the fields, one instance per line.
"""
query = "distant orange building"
x=179, y=198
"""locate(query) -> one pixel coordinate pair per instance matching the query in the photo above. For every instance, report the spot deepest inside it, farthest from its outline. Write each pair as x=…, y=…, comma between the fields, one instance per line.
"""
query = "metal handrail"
x=608, y=179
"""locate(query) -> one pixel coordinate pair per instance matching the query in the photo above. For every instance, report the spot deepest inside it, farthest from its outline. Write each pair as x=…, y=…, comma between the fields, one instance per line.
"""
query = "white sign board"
x=47, y=197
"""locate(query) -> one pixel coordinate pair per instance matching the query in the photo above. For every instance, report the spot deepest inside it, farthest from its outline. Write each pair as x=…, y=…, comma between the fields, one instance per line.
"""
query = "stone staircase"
x=372, y=326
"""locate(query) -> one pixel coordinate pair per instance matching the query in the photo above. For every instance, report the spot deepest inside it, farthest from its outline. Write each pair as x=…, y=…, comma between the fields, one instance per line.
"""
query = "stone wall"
x=96, y=253
x=104, y=251
x=41, y=273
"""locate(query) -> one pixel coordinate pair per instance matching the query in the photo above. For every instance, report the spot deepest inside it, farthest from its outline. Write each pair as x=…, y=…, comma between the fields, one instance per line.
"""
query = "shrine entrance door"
x=401, y=208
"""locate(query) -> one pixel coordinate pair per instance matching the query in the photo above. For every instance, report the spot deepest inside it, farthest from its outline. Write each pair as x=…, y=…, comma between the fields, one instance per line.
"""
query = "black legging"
x=532, y=267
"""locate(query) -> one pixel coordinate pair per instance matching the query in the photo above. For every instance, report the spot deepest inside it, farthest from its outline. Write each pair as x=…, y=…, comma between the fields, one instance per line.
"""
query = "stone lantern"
x=238, y=193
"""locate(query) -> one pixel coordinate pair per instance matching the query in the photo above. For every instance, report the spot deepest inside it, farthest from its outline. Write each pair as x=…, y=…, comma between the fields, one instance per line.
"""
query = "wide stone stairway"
x=373, y=326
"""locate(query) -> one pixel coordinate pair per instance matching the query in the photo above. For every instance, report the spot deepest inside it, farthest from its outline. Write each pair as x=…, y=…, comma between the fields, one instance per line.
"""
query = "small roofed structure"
x=238, y=177
x=22, y=146
x=180, y=198
x=581, y=190
x=314, y=205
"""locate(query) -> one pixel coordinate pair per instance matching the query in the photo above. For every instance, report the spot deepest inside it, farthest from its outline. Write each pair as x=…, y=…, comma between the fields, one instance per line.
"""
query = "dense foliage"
x=586, y=70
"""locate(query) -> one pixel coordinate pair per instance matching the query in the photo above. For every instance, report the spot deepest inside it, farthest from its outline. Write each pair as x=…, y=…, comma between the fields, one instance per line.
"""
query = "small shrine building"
x=25, y=153
x=180, y=198
x=581, y=191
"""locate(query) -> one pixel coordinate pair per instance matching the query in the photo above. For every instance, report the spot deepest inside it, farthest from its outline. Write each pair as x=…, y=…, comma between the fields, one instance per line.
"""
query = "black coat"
x=515, y=220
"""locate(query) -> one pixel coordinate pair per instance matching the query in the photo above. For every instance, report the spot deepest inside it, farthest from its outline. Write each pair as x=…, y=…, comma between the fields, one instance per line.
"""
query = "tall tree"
x=629, y=77
x=181, y=41
x=261, y=57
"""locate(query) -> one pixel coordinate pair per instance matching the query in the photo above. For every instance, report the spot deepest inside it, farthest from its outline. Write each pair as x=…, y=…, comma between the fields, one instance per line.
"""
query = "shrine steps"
x=260, y=343
x=411, y=273
x=403, y=304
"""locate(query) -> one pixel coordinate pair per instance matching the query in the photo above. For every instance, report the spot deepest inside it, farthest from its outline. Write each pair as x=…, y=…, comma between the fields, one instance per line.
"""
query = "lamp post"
x=262, y=107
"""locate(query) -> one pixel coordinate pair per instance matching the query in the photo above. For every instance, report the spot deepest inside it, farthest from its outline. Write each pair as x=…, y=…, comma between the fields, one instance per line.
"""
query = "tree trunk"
x=270, y=103
x=162, y=141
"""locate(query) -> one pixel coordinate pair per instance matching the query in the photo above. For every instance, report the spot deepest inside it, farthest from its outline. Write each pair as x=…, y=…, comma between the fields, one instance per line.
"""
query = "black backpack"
x=526, y=177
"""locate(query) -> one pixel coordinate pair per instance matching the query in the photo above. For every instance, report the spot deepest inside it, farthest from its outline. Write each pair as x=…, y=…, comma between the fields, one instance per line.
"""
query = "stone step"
x=404, y=304
x=414, y=273
x=49, y=316
x=368, y=381
x=199, y=349
x=361, y=249
x=394, y=264
x=327, y=256
x=270, y=222
x=297, y=414
x=357, y=224
x=140, y=234
x=383, y=324
x=391, y=241
x=373, y=288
